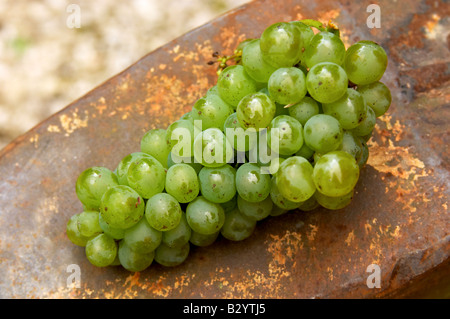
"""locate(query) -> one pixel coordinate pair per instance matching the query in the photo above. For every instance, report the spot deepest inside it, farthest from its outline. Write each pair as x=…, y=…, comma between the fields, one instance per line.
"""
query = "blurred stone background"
x=45, y=65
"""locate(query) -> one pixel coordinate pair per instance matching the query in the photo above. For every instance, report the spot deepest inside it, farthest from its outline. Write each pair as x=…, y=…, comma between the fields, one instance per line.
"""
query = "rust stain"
x=72, y=123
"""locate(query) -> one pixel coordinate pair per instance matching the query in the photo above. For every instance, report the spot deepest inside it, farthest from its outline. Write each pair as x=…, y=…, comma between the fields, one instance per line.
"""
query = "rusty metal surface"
x=398, y=220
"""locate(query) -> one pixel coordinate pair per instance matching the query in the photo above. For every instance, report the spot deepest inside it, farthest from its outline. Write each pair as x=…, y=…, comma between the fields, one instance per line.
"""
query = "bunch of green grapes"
x=284, y=128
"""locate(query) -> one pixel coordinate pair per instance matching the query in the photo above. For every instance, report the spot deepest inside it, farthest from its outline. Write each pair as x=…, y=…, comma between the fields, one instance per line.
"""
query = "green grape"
x=334, y=203
x=234, y=83
x=278, y=211
x=163, y=212
x=350, y=110
x=212, y=111
x=203, y=240
x=146, y=176
x=295, y=179
x=142, y=238
x=124, y=164
x=287, y=85
x=323, y=133
x=324, y=47
x=251, y=184
x=173, y=159
x=289, y=133
x=255, y=111
x=122, y=207
x=364, y=154
x=92, y=184
x=204, y=217
x=326, y=82
x=257, y=211
x=306, y=34
x=305, y=152
x=88, y=224
x=365, y=62
x=212, y=149
x=115, y=233
x=101, y=250
x=367, y=125
x=180, y=137
x=171, y=256
x=254, y=64
x=310, y=204
x=237, y=226
x=351, y=144
x=154, y=143
x=305, y=109
x=218, y=184
x=133, y=261
x=73, y=233
x=182, y=182
x=241, y=140
x=280, y=44
x=336, y=173
x=279, y=200
x=377, y=95
x=179, y=235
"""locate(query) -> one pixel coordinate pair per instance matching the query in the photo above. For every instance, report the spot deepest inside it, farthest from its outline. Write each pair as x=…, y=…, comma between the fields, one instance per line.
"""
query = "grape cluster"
x=284, y=128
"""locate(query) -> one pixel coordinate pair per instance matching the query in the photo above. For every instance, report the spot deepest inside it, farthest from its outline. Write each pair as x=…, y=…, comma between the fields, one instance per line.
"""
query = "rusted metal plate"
x=398, y=220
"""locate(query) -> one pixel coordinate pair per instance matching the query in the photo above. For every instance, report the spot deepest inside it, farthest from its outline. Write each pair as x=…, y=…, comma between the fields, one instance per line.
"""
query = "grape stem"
x=330, y=27
x=223, y=60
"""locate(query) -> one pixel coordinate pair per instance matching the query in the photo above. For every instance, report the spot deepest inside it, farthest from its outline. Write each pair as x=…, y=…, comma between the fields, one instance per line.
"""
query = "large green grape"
x=303, y=110
x=324, y=47
x=88, y=223
x=365, y=62
x=146, y=176
x=254, y=64
x=204, y=217
x=237, y=226
x=280, y=44
x=255, y=110
x=334, y=203
x=122, y=207
x=251, y=184
x=234, y=83
x=326, y=82
x=124, y=165
x=182, y=182
x=101, y=250
x=287, y=85
x=336, y=173
x=179, y=235
x=294, y=179
x=154, y=143
x=133, y=261
x=255, y=210
x=212, y=111
x=289, y=133
x=350, y=110
x=218, y=184
x=92, y=184
x=142, y=238
x=241, y=139
x=377, y=96
x=73, y=232
x=163, y=212
x=171, y=256
x=323, y=133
